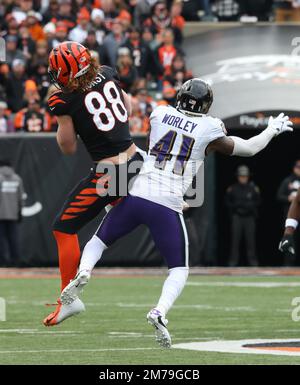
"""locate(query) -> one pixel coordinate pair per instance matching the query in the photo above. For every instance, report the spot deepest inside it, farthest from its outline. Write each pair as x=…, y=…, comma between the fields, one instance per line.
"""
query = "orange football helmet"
x=68, y=61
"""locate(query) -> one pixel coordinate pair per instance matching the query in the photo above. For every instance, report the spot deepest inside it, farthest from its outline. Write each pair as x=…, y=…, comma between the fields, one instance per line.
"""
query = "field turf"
x=114, y=331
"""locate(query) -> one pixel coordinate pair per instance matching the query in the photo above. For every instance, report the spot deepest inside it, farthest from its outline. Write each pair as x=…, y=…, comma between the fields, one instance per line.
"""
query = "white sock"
x=92, y=253
x=172, y=288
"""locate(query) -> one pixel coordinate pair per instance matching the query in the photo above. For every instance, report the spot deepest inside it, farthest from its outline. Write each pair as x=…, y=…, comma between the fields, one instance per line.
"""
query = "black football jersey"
x=99, y=115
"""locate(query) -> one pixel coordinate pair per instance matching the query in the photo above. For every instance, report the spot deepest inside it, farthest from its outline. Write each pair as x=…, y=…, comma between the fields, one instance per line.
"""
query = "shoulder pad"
x=112, y=72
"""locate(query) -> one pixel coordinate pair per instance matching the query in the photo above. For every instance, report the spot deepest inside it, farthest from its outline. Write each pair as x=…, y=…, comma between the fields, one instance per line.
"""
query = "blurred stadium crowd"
x=143, y=39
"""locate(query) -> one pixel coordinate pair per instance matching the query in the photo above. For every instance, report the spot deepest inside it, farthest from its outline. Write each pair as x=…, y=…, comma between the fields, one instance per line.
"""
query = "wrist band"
x=291, y=223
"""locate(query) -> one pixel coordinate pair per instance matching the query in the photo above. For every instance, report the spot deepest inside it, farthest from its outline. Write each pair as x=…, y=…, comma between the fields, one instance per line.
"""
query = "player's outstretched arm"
x=233, y=145
x=66, y=136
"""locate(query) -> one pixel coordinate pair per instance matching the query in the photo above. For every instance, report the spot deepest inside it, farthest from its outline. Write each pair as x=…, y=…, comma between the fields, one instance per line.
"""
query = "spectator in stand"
x=178, y=73
x=92, y=44
x=160, y=19
x=61, y=34
x=12, y=52
x=168, y=94
x=113, y=41
x=5, y=121
x=31, y=91
x=110, y=13
x=51, y=11
x=131, y=5
x=146, y=102
x=98, y=24
x=15, y=85
x=41, y=78
x=33, y=118
x=20, y=11
x=40, y=55
x=142, y=10
x=26, y=43
x=77, y=5
x=127, y=71
x=123, y=14
x=148, y=38
x=140, y=83
x=4, y=74
x=140, y=51
x=80, y=32
x=226, y=10
x=287, y=10
x=33, y=21
x=12, y=26
x=50, y=30
x=167, y=51
x=65, y=14
x=138, y=122
x=178, y=21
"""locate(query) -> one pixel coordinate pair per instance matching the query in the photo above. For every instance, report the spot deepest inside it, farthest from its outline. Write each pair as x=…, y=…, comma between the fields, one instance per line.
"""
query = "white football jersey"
x=177, y=145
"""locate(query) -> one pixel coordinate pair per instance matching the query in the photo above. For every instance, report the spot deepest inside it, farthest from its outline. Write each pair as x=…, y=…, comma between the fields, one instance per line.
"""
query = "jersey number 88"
x=106, y=108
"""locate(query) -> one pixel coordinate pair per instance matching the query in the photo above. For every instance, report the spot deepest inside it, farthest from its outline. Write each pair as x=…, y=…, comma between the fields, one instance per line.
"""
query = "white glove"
x=280, y=124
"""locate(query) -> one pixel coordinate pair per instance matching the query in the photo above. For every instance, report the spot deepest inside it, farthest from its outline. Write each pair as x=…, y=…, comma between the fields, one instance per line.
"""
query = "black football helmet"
x=195, y=97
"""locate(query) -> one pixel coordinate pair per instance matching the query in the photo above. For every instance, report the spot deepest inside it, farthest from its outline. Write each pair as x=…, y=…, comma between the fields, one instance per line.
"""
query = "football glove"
x=287, y=245
x=280, y=124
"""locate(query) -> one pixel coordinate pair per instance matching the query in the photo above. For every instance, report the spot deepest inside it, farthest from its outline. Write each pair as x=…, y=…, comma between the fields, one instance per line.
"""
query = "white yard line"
x=197, y=306
x=75, y=350
x=268, y=285
x=36, y=331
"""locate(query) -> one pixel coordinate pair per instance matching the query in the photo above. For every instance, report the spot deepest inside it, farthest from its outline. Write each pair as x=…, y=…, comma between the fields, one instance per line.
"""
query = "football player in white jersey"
x=179, y=138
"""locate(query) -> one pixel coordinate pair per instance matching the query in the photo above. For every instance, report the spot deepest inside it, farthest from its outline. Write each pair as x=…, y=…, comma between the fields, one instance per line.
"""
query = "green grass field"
x=114, y=331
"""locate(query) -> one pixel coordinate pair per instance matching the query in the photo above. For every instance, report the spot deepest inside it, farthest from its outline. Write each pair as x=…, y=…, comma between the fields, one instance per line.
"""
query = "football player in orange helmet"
x=91, y=104
x=68, y=61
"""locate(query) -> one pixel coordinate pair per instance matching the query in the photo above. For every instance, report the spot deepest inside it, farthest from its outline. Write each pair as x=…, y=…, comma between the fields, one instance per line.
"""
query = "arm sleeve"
x=57, y=104
x=252, y=146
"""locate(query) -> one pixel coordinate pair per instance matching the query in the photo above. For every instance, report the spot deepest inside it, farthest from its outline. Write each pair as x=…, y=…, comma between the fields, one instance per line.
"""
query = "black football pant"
x=84, y=202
